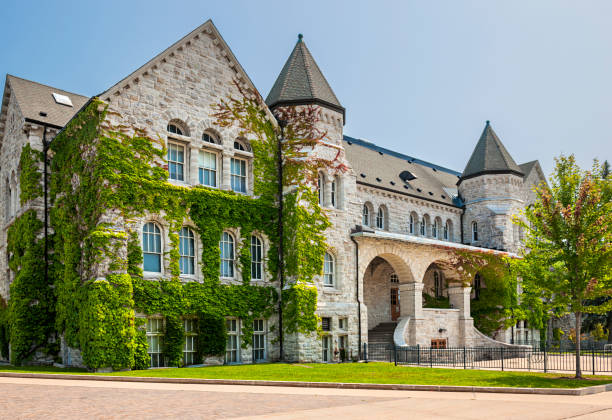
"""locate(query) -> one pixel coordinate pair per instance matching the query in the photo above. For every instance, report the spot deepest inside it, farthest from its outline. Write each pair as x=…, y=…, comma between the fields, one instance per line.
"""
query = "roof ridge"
x=44, y=85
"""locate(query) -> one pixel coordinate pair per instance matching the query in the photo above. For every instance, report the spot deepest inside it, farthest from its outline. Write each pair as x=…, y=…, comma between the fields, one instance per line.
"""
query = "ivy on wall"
x=30, y=174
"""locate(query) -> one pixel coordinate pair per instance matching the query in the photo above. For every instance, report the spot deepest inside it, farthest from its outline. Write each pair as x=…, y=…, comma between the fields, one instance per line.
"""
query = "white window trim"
x=334, y=271
x=263, y=258
x=237, y=334
x=186, y=157
x=160, y=273
x=195, y=253
x=218, y=159
x=233, y=256
x=246, y=174
x=263, y=334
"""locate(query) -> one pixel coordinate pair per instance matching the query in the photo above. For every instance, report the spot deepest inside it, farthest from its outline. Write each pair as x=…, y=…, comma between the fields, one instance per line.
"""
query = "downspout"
x=357, y=289
x=461, y=223
x=281, y=265
x=45, y=198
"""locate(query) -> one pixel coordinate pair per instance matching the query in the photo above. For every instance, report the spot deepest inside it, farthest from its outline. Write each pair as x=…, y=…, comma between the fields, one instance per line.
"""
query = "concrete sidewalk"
x=71, y=399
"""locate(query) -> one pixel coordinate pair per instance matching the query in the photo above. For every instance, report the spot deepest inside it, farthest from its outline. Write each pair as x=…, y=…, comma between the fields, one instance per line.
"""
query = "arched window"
x=380, y=218
x=256, y=258
x=474, y=231
x=477, y=286
x=446, y=231
x=321, y=187
x=7, y=203
x=393, y=278
x=423, y=226
x=209, y=138
x=434, y=229
x=366, y=215
x=227, y=255
x=187, y=251
x=174, y=129
x=239, y=146
x=438, y=284
x=411, y=223
x=151, y=248
x=329, y=273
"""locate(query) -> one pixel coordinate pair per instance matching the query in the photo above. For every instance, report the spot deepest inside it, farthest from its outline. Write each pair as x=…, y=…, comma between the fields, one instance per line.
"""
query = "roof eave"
x=310, y=101
x=490, y=172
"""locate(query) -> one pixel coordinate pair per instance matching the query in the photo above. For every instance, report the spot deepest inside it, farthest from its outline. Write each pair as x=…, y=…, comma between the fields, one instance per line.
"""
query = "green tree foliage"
x=569, y=232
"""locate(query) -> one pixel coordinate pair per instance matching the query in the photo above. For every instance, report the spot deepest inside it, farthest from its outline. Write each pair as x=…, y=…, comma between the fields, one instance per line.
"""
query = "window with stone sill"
x=329, y=268
x=151, y=248
x=366, y=215
x=207, y=168
x=256, y=258
x=189, y=348
x=187, y=252
x=232, y=348
x=176, y=161
x=343, y=324
x=474, y=231
x=380, y=218
x=238, y=173
x=227, y=255
x=259, y=340
x=155, y=337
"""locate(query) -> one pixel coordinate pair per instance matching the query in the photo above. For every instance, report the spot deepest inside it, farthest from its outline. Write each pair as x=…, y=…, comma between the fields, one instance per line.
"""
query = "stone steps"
x=382, y=333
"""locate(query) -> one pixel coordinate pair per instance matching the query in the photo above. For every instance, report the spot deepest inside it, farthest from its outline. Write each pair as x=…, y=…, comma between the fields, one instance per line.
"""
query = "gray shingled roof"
x=381, y=168
x=34, y=98
x=301, y=80
x=527, y=167
x=490, y=155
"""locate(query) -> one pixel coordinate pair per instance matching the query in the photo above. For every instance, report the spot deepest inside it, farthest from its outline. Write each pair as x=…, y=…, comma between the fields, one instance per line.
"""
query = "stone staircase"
x=382, y=333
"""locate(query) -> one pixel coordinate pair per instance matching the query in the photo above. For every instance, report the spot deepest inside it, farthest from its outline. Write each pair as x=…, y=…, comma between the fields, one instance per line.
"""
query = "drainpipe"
x=357, y=288
x=461, y=223
x=45, y=198
x=281, y=266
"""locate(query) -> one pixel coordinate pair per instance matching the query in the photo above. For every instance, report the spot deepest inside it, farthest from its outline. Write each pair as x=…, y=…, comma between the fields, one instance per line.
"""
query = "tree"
x=569, y=231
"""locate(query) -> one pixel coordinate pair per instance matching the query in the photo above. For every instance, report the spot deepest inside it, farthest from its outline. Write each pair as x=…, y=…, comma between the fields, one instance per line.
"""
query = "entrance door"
x=326, y=342
x=395, y=305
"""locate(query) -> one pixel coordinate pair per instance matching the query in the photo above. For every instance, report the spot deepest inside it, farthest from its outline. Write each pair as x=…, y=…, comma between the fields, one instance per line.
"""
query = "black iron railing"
x=593, y=360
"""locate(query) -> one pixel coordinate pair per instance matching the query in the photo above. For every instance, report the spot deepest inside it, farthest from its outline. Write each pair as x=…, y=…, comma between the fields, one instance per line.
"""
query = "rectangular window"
x=207, y=168
x=238, y=175
x=232, y=349
x=259, y=340
x=326, y=342
x=326, y=324
x=155, y=336
x=176, y=161
x=189, y=350
x=256, y=258
x=343, y=324
x=343, y=347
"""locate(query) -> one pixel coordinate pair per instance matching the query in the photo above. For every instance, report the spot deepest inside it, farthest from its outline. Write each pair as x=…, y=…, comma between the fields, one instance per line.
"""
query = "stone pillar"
x=459, y=298
x=225, y=172
x=411, y=300
x=193, y=166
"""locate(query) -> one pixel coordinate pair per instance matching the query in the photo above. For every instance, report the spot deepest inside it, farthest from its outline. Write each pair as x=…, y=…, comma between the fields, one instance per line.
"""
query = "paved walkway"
x=72, y=399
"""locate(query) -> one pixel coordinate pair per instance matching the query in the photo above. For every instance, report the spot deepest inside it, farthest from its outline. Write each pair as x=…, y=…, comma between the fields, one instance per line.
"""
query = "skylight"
x=62, y=99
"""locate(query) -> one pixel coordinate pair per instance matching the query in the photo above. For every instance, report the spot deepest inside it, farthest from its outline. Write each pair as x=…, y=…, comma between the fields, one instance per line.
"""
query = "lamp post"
x=281, y=266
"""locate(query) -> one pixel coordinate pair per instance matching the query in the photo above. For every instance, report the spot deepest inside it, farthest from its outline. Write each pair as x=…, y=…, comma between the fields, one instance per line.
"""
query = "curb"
x=341, y=385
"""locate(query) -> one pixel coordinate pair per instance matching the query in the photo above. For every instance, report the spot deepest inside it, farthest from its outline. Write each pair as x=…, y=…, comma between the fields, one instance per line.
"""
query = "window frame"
x=329, y=276
x=190, y=336
x=333, y=193
x=259, y=346
x=234, y=176
x=260, y=262
x=446, y=231
x=190, y=258
x=184, y=165
x=365, y=215
x=232, y=354
x=321, y=188
x=202, y=168
x=158, y=336
x=423, y=227
x=380, y=218
x=232, y=260
x=156, y=232
x=474, y=231
x=411, y=224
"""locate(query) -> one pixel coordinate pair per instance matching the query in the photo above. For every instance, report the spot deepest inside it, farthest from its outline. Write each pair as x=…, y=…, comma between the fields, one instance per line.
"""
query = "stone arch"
x=391, y=254
x=181, y=117
x=212, y=132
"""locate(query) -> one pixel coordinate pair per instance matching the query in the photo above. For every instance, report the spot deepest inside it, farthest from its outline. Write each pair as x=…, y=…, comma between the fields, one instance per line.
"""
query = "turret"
x=491, y=188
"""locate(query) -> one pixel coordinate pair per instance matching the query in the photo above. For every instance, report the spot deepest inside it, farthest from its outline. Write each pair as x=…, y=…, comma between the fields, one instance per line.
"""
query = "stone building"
x=396, y=220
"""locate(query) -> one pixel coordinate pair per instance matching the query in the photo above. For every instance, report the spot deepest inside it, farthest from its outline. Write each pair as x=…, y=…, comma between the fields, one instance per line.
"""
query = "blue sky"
x=419, y=77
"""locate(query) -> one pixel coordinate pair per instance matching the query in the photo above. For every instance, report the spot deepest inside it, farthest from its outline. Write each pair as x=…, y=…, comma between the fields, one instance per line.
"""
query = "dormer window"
x=174, y=129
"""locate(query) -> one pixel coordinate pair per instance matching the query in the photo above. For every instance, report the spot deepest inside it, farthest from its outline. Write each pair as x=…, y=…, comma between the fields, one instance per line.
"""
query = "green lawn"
x=380, y=373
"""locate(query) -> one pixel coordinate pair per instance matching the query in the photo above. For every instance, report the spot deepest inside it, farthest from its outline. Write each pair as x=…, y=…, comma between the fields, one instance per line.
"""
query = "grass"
x=379, y=373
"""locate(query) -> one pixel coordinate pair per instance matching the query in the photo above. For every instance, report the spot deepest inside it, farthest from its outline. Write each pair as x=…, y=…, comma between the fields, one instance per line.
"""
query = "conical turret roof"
x=301, y=82
x=490, y=156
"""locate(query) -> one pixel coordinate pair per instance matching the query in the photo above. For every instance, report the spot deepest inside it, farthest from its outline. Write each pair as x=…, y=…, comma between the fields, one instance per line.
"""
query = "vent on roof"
x=430, y=193
x=443, y=196
x=378, y=179
x=392, y=182
x=406, y=176
x=350, y=143
x=62, y=99
x=434, y=169
x=380, y=153
x=407, y=186
x=363, y=175
x=419, y=190
x=42, y=114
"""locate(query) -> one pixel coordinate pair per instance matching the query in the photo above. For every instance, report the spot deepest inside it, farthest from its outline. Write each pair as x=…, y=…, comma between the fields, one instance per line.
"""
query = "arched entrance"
x=381, y=291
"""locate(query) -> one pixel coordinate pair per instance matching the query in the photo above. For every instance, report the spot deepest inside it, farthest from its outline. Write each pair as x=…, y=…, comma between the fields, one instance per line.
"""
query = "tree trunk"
x=578, y=330
x=609, y=326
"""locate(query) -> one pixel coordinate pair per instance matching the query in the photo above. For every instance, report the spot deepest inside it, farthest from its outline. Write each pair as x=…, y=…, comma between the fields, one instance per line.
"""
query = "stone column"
x=225, y=173
x=193, y=178
x=459, y=298
x=327, y=196
x=411, y=300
